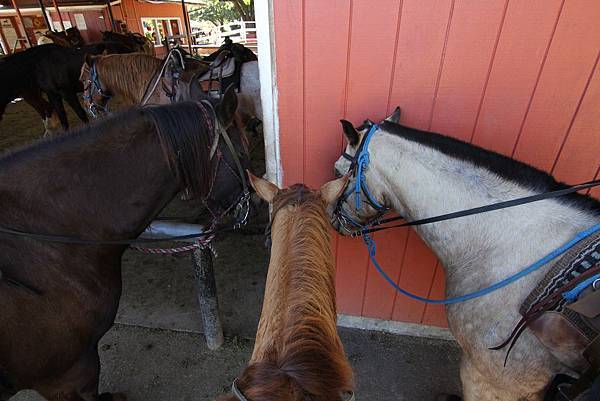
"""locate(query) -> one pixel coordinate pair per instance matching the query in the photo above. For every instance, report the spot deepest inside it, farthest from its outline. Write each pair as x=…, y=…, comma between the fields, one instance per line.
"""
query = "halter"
x=358, y=166
x=242, y=204
x=93, y=85
x=240, y=396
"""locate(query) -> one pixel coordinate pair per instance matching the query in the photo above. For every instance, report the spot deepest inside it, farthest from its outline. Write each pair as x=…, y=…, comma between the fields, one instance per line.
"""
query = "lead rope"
x=372, y=247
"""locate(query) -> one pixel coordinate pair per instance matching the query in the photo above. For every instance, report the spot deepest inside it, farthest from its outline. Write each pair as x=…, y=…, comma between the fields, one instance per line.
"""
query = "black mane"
x=505, y=167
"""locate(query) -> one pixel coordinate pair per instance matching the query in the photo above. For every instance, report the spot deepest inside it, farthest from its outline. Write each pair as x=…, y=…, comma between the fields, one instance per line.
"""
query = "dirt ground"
x=156, y=351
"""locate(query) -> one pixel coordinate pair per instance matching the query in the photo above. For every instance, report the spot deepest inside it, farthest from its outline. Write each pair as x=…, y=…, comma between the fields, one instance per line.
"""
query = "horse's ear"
x=226, y=109
x=350, y=132
x=263, y=188
x=87, y=59
x=395, y=116
x=331, y=191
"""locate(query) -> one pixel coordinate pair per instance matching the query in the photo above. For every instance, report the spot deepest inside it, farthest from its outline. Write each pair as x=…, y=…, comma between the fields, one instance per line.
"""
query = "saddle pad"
x=219, y=70
x=577, y=260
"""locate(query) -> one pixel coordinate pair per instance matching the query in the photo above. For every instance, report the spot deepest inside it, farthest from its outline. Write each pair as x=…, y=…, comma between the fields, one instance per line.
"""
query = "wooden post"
x=187, y=25
x=208, y=301
x=48, y=24
x=110, y=14
x=14, y=3
x=62, y=24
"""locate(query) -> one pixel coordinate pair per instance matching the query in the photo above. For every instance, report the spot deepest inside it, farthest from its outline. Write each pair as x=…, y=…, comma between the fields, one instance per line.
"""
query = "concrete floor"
x=156, y=350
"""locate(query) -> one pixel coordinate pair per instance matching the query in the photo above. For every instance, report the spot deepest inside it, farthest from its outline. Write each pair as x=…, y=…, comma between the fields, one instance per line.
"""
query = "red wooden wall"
x=132, y=12
x=94, y=24
x=520, y=77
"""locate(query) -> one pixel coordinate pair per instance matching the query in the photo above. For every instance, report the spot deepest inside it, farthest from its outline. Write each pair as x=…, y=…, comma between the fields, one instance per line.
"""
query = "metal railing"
x=243, y=32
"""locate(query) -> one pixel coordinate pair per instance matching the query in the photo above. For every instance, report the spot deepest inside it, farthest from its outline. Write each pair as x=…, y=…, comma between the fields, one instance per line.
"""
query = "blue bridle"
x=358, y=167
x=94, y=86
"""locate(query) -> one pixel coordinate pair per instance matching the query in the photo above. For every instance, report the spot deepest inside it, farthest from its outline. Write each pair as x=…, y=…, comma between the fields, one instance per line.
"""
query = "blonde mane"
x=298, y=354
x=126, y=75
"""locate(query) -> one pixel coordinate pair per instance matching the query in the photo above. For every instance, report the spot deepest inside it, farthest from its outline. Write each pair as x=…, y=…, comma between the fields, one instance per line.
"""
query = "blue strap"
x=362, y=162
x=509, y=280
x=573, y=294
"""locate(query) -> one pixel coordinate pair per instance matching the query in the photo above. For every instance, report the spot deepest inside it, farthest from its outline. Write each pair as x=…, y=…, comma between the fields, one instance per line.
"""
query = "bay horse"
x=69, y=38
x=298, y=355
x=135, y=41
x=52, y=70
x=105, y=182
x=419, y=174
x=129, y=76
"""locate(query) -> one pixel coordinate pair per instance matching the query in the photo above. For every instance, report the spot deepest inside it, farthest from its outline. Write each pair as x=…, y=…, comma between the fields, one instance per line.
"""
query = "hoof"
x=112, y=397
x=447, y=397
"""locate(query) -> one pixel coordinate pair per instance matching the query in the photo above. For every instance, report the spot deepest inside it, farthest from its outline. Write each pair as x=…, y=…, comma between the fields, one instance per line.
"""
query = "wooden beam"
x=14, y=3
x=187, y=25
x=48, y=24
x=110, y=14
x=62, y=24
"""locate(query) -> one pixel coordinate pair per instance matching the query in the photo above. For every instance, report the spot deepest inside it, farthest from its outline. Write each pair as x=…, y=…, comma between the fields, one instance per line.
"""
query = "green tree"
x=245, y=8
x=216, y=11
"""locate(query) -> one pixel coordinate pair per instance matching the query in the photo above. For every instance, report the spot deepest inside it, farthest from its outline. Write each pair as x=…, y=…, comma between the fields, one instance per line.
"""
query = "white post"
x=268, y=88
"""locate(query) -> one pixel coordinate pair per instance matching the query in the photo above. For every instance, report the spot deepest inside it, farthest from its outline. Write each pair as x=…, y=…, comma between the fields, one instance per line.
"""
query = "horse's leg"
x=43, y=108
x=477, y=387
x=79, y=383
x=57, y=104
x=71, y=98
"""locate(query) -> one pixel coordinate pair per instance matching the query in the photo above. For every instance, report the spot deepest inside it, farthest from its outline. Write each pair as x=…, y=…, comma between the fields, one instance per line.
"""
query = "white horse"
x=418, y=175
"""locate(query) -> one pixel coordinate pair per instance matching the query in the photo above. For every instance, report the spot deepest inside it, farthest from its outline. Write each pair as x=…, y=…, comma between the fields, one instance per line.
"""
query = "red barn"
x=518, y=77
x=154, y=19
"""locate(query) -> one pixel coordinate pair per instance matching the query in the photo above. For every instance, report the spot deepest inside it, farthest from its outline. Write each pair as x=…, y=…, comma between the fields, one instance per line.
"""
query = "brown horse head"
x=298, y=355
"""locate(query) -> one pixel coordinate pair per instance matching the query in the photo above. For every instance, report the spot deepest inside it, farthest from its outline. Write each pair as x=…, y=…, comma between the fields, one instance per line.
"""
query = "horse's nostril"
x=337, y=174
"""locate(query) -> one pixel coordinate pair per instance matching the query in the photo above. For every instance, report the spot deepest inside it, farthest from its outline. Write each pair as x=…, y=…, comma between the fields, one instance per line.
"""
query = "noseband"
x=358, y=166
x=240, y=396
x=93, y=85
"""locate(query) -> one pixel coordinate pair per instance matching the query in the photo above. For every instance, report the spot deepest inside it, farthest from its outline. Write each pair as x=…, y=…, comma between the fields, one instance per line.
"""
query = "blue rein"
x=362, y=163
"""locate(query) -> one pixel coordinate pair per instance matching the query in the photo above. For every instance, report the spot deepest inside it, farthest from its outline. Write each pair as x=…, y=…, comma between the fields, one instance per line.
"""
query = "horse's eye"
x=337, y=173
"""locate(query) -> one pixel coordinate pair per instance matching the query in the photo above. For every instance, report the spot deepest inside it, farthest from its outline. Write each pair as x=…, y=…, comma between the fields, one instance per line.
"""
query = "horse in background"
x=52, y=70
x=69, y=38
x=135, y=41
x=132, y=76
x=420, y=174
x=298, y=355
x=59, y=299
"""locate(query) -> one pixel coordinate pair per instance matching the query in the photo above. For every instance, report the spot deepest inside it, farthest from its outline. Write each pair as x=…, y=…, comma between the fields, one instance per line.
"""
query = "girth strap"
x=588, y=379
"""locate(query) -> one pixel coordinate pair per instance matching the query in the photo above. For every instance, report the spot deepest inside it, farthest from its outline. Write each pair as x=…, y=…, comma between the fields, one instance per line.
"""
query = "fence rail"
x=243, y=32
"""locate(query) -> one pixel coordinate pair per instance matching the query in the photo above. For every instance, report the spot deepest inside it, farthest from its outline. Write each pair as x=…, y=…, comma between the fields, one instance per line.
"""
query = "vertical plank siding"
x=518, y=77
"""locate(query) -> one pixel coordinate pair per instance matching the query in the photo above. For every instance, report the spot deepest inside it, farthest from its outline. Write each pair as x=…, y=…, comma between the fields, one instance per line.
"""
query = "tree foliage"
x=216, y=11
x=220, y=12
x=245, y=8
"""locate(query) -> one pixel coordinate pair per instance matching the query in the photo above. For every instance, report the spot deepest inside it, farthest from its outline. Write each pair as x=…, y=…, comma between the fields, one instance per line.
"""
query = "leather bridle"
x=91, y=86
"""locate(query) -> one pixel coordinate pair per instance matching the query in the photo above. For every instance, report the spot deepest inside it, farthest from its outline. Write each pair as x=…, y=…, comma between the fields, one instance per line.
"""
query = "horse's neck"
x=420, y=182
x=123, y=80
x=98, y=186
x=300, y=281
